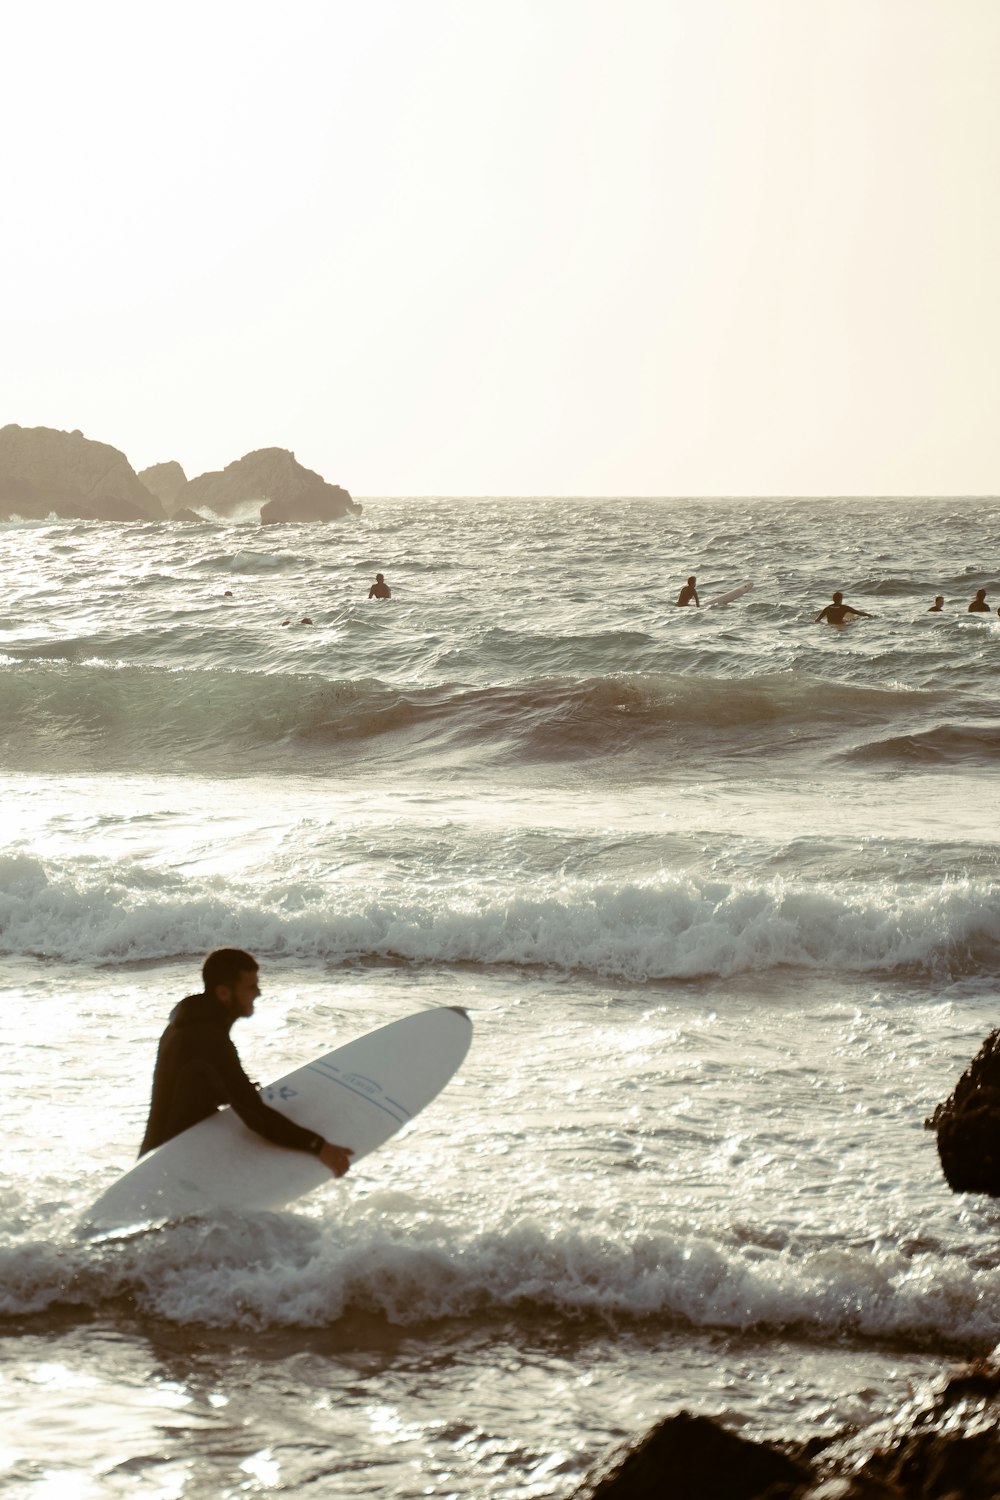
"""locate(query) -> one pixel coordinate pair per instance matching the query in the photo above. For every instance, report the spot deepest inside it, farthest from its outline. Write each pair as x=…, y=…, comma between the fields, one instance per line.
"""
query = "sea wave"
x=59, y=715
x=219, y=564
x=409, y=1267
x=665, y=928
x=946, y=744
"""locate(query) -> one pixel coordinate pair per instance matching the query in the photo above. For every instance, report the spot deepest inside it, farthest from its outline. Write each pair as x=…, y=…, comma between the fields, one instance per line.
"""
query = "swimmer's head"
x=838, y=597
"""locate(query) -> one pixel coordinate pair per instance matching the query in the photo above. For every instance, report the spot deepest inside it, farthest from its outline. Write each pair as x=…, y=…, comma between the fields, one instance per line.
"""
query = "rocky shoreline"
x=943, y=1444
x=47, y=472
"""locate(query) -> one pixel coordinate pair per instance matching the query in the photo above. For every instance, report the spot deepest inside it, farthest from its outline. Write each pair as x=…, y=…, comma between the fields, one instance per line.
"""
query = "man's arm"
x=240, y=1093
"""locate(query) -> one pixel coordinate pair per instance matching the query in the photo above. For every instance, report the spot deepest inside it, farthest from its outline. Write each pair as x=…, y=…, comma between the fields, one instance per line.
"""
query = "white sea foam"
x=270, y=1270
x=670, y=927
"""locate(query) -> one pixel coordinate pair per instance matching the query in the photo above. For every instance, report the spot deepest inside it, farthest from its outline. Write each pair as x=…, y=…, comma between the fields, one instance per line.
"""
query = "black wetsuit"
x=198, y=1069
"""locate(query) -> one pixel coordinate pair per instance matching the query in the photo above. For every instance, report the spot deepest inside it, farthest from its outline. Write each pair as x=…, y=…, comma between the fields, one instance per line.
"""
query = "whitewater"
x=717, y=887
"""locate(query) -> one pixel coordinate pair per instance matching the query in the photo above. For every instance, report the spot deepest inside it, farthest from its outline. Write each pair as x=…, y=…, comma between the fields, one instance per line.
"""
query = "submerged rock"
x=187, y=515
x=44, y=472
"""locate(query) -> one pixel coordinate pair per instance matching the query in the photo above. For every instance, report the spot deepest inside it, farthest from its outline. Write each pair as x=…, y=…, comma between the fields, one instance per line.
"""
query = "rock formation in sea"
x=45, y=472
x=167, y=482
x=944, y=1444
x=273, y=479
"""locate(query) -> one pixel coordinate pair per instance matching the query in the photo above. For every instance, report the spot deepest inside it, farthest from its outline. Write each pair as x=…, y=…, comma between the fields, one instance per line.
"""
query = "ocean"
x=717, y=887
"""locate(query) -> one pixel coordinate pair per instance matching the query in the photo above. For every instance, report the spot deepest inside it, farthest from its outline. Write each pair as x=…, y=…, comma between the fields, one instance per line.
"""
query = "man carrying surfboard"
x=198, y=1069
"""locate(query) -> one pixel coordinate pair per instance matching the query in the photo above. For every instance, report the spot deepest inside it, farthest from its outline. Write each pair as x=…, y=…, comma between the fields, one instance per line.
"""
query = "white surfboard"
x=744, y=588
x=358, y=1096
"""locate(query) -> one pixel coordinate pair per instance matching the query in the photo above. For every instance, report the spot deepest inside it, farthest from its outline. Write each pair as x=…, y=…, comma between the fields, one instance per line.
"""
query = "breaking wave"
x=409, y=1267
x=664, y=928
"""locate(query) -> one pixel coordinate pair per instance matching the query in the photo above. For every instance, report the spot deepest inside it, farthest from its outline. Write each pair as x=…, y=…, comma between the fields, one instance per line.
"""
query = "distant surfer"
x=380, y=589
x=687, y=593
x=837, y=611
x=937, y=607
x=198, y=1069
x=979, y=605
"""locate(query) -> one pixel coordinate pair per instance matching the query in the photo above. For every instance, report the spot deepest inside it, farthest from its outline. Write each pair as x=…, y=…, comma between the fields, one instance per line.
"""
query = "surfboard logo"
x=285, y=1092
x=364, y=1085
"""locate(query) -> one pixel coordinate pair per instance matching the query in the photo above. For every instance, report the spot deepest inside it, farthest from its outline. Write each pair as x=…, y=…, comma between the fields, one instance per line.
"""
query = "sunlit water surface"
x=718, y=888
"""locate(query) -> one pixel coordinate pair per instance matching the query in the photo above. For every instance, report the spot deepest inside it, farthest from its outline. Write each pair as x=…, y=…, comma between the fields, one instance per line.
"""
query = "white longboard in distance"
x=357, y=1096
x=744, y=588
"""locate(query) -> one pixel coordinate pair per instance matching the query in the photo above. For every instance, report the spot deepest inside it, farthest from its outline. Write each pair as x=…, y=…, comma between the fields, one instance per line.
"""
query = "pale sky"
x=585, y=247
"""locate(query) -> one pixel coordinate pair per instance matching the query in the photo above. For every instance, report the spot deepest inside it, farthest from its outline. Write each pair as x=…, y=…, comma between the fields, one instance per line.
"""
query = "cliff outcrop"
x=44, y=471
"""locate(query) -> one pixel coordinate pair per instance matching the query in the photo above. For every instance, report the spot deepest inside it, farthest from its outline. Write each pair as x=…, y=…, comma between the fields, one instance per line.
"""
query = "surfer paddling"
x=687, y=593
x=837, y=612
x=198, y=1069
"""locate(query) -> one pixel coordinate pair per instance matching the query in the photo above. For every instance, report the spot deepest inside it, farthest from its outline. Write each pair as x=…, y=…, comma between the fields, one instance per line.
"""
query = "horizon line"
x=771, y=495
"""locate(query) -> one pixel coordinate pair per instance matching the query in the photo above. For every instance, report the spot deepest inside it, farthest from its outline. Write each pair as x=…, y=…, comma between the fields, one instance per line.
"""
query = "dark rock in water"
x=168, y=482
x=968, y=1125
x=44, y=472
x=944, y=1446
x=687, y=1457
x=273, y=479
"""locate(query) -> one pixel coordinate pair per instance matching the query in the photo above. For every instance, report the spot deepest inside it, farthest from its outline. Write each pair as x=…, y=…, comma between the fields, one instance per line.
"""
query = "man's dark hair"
x=224, y=966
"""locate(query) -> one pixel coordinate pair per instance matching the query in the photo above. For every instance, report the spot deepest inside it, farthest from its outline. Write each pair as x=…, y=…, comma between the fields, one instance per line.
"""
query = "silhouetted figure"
x=979, y=605
x=198, y=1069
x=687, y=593
x=938, y=605
x=837, y=611
x=380, y=589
